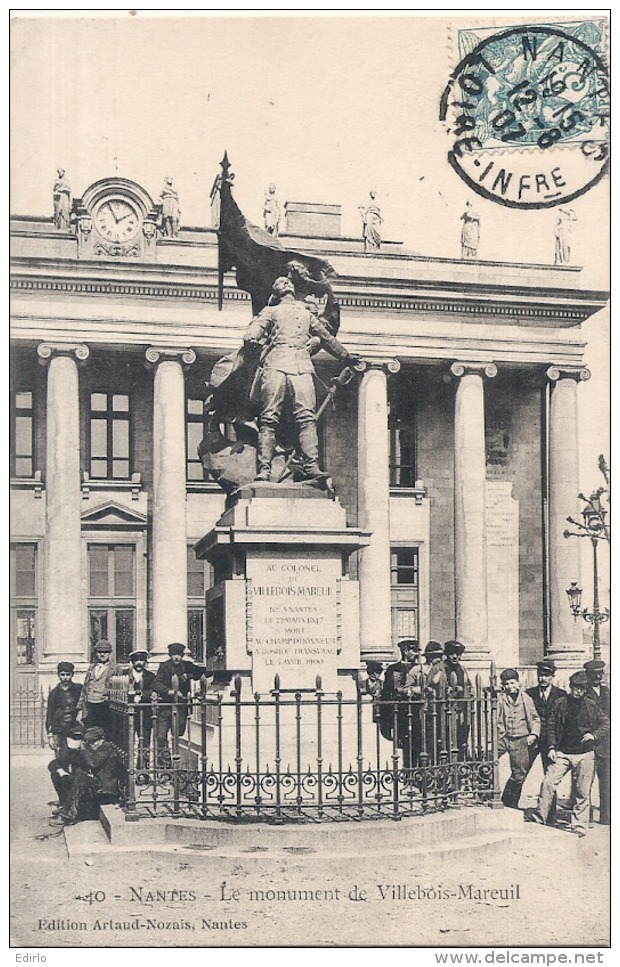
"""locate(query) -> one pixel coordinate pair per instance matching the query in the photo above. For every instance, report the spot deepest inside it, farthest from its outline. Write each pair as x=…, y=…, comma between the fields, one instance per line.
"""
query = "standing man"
x=62, y=707
x=545, y=696
x=600, y=694
x=576, y=725
x=518, y=728
x=94, y=701
x=403, y=693
x=172, y=684
x=141, y=682
x=460, y=689
x=286, y=330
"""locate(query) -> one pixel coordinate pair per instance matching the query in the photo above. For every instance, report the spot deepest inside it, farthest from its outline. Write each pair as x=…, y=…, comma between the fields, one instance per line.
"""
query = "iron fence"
x=27, y=711
x=305, y=756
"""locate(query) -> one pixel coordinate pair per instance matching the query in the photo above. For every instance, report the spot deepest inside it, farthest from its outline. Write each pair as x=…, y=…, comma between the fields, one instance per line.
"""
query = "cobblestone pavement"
x=544, y=888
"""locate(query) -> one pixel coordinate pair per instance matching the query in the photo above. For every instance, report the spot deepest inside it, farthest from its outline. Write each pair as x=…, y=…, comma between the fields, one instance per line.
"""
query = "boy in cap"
x=63, y=770
x=95, y=697
x=599, y=693
x=96, y=777
x=518, y=728
x=62, y=707
x=459, y=688
x=576, y=725
x=141, y=682
x=436, y=678
x=172, y=685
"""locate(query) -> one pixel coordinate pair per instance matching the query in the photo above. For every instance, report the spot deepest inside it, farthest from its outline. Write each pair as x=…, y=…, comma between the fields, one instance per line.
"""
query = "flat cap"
x=103, y=645
x=453, y=648
x=65, y=666
x=509, y=675
x=546, y=666
x=176, y=648
x=408, y=643
x=94, y=733
x=76, y=731
x=433, y=648
x=594, y=665
x=144, y=655
x=578, y=678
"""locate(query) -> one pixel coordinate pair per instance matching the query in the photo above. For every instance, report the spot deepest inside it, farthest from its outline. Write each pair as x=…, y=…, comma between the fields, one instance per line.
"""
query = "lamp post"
x=594, y=527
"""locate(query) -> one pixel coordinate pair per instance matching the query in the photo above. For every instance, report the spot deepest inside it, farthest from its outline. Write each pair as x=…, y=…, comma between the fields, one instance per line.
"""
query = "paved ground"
x=551, y=888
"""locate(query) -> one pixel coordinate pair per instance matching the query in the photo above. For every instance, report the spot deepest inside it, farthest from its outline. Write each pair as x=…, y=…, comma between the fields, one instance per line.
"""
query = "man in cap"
x=62, y=705
x=63, y=770
x=287, y=329
x=96, y=777
x=459, y=689
x=518, y=728
x=172, y=685
x=576, y=725
x=401, y=698
x=545, y=696
x=599, y=693
x=436, y=677
x=141, y=682
x=94, y=700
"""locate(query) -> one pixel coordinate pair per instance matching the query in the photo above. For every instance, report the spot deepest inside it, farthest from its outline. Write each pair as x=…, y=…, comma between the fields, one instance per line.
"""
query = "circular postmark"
x=527, y=114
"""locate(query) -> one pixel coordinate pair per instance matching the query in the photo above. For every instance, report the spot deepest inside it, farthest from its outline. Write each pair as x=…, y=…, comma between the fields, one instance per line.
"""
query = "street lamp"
x=596, y=528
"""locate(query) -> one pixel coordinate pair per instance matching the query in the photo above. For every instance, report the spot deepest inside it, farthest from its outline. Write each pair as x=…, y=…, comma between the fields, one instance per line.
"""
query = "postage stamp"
x=527, y=112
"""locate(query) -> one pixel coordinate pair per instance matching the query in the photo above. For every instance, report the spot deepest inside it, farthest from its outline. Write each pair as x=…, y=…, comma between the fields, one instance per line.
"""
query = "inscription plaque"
x=293, y=619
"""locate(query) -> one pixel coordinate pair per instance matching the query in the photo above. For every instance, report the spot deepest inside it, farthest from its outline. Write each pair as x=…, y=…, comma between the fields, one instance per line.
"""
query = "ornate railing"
x=305, y=756
x=27, y=711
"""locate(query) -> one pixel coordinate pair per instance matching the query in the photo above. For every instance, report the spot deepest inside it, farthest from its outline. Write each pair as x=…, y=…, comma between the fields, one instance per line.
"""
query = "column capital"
x=459, y=369
x=578, y=373
x=157, y=354
x=46, y=350
x=389, y=366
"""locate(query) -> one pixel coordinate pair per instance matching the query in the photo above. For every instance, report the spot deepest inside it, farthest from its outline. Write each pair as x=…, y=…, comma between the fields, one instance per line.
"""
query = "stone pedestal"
x=62, y=585
x=169, y=609
x=470, y=546
x=282, y=602
x=566, y=635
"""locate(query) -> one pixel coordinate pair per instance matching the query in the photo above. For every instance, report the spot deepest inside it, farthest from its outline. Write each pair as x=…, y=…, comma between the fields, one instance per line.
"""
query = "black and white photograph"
x=310, y=482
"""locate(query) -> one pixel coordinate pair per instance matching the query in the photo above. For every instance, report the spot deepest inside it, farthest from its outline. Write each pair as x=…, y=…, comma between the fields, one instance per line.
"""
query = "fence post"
x=130, y=802
x=238, y=756
x=203, y=746
x=360, y=749
x=278, y=760
x=176, y=759
x=319, y=744
x=395, y=762
x=496, y=802
x=257, y=798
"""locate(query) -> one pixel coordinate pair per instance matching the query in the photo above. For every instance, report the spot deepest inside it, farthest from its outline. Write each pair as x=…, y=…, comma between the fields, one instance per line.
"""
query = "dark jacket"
x=597, y=723
x=544, y=708
x=403, y=682
x=102, y=763
x=603, y=748
x=186, y=671
x=62, y=708
x=148, y=683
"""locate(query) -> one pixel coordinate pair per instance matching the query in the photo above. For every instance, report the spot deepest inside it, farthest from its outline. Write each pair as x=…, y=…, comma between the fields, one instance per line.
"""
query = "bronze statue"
x=62, y=202
x=287, y=331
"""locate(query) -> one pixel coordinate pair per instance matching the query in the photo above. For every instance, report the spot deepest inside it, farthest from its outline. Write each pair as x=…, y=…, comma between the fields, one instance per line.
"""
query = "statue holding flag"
x=295, y=315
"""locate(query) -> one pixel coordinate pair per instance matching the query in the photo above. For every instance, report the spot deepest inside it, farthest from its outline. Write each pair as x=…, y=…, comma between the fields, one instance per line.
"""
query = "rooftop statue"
x=62, y=202
x=170, y=211
x=470, y=233
x=271, y=211
x=562, y=232
x=372, y=220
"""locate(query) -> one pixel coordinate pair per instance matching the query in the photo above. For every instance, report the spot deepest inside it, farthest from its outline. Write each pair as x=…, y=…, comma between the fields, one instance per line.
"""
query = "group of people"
x=85, y=770
x=405, y=685
x=570, y=732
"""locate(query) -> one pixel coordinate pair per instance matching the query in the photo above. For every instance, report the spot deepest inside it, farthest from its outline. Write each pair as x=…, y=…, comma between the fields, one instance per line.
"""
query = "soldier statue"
x=287, y=331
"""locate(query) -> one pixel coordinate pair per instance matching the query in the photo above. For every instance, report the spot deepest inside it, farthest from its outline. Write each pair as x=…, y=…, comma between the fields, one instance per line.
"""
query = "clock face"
x=117, y=220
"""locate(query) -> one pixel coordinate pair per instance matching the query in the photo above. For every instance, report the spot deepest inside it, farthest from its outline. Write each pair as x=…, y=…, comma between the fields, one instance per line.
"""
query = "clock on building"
x=117, y=220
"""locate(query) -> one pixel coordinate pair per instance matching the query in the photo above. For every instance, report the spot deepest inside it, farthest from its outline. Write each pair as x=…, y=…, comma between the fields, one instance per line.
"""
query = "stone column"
x=169, y=563
x=566, y=634
x=374, y=511
x=470, y=544
x=62, y=587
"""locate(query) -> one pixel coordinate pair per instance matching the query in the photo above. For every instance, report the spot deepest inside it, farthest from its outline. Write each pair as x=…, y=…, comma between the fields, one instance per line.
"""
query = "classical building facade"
x=456, y=448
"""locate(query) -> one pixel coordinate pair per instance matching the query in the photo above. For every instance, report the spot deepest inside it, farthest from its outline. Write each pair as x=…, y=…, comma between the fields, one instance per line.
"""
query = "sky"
x=326, y=107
